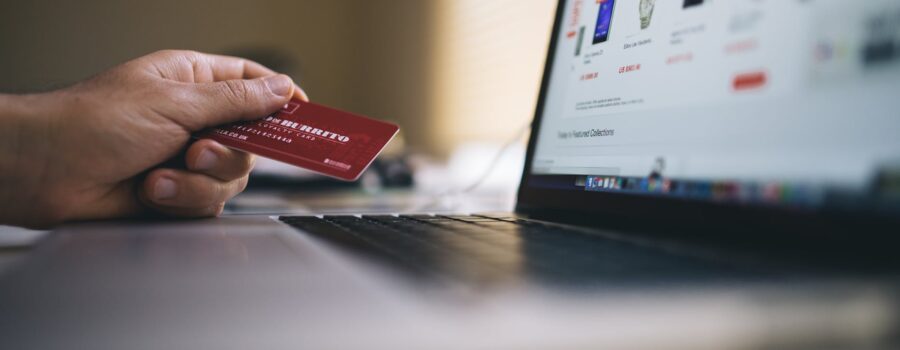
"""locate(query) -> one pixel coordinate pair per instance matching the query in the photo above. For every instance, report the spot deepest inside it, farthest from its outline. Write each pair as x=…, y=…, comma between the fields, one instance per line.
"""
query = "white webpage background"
x=815, y=120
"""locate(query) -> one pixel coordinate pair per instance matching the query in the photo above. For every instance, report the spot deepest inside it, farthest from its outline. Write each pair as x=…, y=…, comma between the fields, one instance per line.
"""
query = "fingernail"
x=305, y=96
x=164, y=189
x=280, y=84
x=206, y=160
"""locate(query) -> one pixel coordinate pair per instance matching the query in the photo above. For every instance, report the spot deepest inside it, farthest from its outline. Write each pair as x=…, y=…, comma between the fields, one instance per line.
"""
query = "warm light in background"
x=449, y=72
x=487, y=63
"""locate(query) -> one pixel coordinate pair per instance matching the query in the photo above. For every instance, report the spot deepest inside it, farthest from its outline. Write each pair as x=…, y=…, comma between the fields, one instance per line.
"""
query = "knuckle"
x=236, y=91
x=218, y=194
x=212, y=210
x=205, y=194
x=189, y=53
x=242, y=183
x=247, y=163
x=166, y=54
x=170, y=53
x=161, y=53
x=217, y=209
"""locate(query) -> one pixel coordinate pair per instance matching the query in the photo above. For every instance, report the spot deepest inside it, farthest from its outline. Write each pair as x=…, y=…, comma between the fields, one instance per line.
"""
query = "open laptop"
x=684, y=122
x=696, y=144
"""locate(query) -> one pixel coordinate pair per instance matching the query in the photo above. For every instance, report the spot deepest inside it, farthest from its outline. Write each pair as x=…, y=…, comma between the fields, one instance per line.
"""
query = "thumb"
x=239, y=99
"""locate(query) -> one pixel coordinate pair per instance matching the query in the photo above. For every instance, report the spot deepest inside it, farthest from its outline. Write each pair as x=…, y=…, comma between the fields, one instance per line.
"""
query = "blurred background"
x=459, y=84
x=442, y=69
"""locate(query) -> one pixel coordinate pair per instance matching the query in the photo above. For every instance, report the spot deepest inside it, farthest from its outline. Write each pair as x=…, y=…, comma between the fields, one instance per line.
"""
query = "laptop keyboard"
x=502, y=249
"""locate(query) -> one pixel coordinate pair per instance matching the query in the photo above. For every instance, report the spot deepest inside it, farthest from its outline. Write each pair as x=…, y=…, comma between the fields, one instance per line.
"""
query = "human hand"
x=117, y=145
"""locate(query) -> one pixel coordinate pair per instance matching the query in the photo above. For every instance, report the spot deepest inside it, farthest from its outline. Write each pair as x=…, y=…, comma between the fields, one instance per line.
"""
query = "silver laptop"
x=701, y=174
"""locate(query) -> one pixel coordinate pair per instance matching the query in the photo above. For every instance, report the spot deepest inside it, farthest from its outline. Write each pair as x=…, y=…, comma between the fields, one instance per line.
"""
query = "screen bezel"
x=573, y=205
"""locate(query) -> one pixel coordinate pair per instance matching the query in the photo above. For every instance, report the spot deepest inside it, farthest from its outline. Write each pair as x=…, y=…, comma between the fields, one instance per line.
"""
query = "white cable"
x=480, y=180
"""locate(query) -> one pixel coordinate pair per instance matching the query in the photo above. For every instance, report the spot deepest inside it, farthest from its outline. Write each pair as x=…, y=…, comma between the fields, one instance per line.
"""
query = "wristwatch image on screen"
x=646, y=11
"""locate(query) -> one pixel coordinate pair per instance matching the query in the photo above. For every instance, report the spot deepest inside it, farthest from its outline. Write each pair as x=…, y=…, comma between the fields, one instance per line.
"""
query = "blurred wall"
x=487, y=66
x=48, y=43
x=432, y=66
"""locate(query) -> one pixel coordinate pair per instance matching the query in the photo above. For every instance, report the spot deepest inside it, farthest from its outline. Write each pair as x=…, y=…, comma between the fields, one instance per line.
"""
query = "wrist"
x=23, y=121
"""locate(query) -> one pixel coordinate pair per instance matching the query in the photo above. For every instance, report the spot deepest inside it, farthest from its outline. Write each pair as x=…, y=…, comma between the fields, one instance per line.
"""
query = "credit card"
x=311, y=136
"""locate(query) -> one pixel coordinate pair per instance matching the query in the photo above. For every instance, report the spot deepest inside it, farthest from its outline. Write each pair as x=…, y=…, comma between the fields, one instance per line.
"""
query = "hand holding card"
x=322, y=139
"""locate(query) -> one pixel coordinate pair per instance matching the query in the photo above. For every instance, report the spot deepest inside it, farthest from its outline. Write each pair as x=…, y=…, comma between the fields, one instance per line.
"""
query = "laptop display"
x=754, y=103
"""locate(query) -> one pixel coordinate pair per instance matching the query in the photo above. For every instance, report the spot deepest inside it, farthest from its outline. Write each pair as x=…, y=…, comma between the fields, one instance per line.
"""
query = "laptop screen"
x=780, y=103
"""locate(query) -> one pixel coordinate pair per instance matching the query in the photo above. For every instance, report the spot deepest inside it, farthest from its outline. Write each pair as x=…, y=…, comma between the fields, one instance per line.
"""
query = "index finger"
x=221, y=67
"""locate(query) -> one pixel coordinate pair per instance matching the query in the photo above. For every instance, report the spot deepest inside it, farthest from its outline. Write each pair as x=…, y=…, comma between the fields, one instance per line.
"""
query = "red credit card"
x=322, y=139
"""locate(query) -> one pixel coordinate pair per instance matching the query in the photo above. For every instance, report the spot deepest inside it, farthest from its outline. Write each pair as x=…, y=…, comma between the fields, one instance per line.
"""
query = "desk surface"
x=235, y=290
